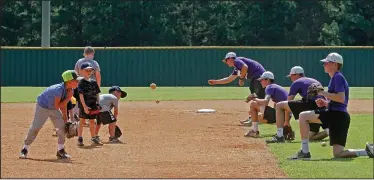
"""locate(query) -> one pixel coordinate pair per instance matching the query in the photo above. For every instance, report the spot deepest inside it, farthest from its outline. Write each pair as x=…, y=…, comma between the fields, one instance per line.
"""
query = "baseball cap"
x=69, y=75
x=230, y=55
x=117, y=88
x=89, y=50
x=296, y=70
x=266, y=75
x=333, y=57
x=86, y=66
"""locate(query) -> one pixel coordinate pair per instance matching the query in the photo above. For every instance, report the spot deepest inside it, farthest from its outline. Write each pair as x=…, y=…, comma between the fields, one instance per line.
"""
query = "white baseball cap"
x=296, y=70
x=230, y=55
x=266, y=75
x=333, y=57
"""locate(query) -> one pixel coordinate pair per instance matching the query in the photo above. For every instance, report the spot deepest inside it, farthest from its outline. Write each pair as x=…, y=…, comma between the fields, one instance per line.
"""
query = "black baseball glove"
x=117, y=132
x=314, y=89
x=288, y=134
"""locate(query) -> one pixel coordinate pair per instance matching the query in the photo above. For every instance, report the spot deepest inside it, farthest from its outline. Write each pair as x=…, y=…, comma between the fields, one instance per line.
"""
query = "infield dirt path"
x=166, y=140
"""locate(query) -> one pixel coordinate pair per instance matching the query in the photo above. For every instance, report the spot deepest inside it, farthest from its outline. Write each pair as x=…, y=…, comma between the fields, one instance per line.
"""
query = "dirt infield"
x=166, y=140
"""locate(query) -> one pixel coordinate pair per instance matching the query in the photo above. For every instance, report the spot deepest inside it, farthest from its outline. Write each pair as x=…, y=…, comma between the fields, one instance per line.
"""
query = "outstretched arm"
x=225, y=80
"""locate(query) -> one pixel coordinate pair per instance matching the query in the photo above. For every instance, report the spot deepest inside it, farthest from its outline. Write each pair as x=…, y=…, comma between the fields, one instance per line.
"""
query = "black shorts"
x=83, y=115
x=314, y=127
x=298, y=106
x=270, y=115
x=338, y=124
x=105, y=118
x=255, y=87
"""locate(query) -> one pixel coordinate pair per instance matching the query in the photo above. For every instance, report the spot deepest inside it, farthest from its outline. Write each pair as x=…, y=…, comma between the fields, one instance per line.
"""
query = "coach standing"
x=245, y=68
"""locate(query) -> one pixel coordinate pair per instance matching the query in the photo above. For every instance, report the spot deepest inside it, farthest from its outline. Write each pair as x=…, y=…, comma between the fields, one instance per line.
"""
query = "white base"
x=206, y=111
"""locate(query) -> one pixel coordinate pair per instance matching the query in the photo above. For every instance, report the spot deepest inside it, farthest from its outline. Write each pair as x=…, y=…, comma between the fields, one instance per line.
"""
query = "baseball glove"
x=71, y=129
x=251, y=97
x=288, y=134
x=314, y=89
x=117, y=132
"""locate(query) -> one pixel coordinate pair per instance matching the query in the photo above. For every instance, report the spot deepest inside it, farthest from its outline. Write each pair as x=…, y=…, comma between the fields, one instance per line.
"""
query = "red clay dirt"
x=165, y=140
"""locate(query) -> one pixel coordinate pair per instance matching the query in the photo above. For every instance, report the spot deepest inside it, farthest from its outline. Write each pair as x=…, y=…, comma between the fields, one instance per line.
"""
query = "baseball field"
x=171, y=140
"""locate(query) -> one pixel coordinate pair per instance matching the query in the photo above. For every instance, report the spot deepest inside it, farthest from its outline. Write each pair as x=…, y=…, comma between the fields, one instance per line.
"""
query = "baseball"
x=153, y=86
x=323, y=144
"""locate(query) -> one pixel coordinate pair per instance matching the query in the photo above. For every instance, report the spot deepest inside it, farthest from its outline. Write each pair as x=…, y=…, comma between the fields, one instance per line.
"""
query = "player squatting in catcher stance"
x=51, y=103
x=107, y=103
x=245, y=68
x=332, y=113
x=273, y=92
x=299, y=85
x=88, y=101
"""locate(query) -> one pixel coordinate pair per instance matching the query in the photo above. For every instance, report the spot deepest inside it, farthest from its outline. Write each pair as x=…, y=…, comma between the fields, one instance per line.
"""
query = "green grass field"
x=29, y=94
x=322, y=164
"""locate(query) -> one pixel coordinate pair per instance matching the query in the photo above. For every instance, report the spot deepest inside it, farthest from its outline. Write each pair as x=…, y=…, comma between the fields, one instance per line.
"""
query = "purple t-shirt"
x=255, y=69
x=277, y=93
x=301, y=86
x=338, y=84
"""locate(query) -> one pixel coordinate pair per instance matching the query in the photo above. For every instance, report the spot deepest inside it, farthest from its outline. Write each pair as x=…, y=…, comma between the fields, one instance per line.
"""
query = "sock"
x=60, y=146
x=26, y=147
x=359, y=152
x=305, y=145
x=327, y=131
x=280, y=132
x=255, y=126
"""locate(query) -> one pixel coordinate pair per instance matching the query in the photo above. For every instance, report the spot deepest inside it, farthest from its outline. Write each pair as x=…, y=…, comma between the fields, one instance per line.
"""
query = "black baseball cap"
x=117, y=88
x=86, y=66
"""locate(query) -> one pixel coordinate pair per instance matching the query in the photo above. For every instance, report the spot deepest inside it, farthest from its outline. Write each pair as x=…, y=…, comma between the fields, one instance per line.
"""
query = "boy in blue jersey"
x=51, y=103
x=335, y=115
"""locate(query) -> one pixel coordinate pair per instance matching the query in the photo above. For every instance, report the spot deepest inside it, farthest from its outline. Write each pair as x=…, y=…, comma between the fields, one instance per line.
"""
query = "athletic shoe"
x=113, y=140
x=369, y=150
x=98, y=138
x=247, y=122
x=275, y=139
x=300, y=156
x=252, y=133
x=80, y=141
x=96, y=142
x=23, y=154
x=61, y=154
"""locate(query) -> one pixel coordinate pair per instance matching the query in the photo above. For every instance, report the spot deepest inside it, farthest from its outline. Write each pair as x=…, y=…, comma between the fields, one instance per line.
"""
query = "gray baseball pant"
x=40, y=117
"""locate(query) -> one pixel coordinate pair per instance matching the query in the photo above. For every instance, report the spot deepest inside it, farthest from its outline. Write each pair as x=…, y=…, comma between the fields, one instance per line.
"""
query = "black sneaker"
x=300, y=156
x=23, y=154
x=95, y=141
x=80, y=141
x=275, y=139
x=61, y=154
x=369, y=150
x=113, y=140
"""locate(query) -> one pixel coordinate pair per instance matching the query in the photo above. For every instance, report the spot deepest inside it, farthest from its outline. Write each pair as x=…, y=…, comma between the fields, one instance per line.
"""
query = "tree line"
x=191, y=23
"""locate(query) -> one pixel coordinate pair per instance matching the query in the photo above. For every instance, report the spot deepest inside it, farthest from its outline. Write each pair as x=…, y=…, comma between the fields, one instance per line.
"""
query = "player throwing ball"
x=273, y=92
x=51, y=103
x=107, y=103
x=248, y=69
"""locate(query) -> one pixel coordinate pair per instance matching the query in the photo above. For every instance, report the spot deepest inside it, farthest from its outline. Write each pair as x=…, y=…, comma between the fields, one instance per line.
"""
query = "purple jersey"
x=255, y=69
x=300, y=86
x=338, y=84
x=277, y=93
